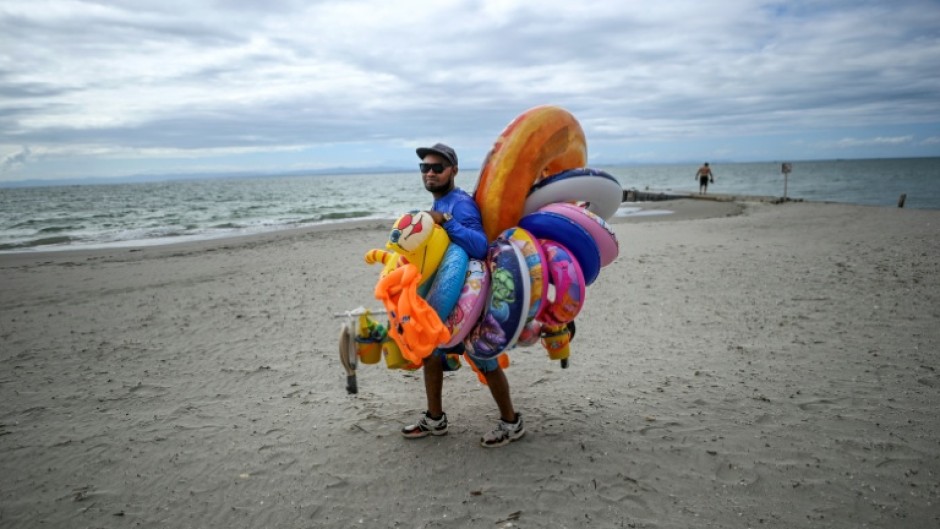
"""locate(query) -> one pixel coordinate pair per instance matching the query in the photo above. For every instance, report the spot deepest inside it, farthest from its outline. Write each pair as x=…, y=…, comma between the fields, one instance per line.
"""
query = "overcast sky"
x=159, y=86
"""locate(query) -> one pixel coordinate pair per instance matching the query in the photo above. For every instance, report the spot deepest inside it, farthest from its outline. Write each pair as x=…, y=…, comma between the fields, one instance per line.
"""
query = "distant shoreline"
x=341, y=171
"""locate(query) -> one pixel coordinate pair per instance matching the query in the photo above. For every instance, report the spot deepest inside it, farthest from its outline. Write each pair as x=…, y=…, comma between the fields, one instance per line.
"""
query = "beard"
x=440, y=187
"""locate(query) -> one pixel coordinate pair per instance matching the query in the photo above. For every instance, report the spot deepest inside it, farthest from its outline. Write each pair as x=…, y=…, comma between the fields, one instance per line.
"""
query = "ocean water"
x=875, y=182
x=138, y=214
x=141, y=214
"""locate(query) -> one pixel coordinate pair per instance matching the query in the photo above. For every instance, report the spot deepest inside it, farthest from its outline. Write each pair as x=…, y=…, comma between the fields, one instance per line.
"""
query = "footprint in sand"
x=820, y=404
x=732, y=474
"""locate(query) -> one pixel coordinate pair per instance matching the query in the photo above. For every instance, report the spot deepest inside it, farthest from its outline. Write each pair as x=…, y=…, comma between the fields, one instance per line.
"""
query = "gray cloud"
x=880, y=140
x=18, y=158
x=168, y=75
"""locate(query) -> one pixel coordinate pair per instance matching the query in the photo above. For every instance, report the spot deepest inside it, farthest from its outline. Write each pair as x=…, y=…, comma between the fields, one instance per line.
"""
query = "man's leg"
x=433, y=422
x=510, y=427
x=434, y=384
x=499, y=388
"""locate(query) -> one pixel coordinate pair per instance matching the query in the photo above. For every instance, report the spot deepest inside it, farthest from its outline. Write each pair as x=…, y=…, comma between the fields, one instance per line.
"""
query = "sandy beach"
x=740, y=365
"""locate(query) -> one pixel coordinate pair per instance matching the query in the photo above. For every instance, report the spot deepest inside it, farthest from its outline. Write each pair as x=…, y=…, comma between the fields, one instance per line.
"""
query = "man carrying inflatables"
x=458, y=214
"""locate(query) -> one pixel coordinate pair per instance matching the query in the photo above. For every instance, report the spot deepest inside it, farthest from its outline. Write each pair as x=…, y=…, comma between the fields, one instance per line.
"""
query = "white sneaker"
x=505, y=433
x=426, y=426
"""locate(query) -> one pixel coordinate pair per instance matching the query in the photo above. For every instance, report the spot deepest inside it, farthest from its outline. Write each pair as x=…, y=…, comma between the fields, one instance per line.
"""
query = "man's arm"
x=466, y=229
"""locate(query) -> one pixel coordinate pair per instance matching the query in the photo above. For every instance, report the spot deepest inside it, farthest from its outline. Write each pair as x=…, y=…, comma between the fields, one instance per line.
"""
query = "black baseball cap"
x=441, y=150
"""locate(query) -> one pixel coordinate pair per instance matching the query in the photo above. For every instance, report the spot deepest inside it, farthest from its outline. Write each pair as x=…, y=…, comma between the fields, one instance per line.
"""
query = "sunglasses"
x=436, y=168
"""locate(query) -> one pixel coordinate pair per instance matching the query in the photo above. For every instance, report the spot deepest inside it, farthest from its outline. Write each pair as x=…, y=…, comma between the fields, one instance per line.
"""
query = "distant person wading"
x=705, y=177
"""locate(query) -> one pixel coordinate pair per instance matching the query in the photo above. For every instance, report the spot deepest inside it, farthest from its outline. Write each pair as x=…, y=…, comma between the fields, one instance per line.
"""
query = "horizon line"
x=344, y=170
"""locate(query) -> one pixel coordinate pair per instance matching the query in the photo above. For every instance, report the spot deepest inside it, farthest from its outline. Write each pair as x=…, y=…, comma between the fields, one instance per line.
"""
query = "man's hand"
x=437, y=216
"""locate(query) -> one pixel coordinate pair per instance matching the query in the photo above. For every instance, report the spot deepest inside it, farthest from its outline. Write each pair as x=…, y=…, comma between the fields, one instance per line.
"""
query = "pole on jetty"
x=901, y=200
x=785, y=168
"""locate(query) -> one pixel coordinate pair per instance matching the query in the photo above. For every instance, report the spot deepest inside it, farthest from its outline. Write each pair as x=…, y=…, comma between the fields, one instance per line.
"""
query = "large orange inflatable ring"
x=540, y=142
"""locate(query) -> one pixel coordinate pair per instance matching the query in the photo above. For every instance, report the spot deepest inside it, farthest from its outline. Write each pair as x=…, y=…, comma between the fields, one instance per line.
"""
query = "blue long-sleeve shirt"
x=466, y=226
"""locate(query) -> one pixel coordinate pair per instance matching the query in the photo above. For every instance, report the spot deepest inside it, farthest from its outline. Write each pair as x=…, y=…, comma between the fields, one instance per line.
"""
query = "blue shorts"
x=484, y=366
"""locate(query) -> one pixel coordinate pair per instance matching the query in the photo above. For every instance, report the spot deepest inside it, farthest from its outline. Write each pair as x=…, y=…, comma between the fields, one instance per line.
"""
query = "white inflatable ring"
x=601, y=191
